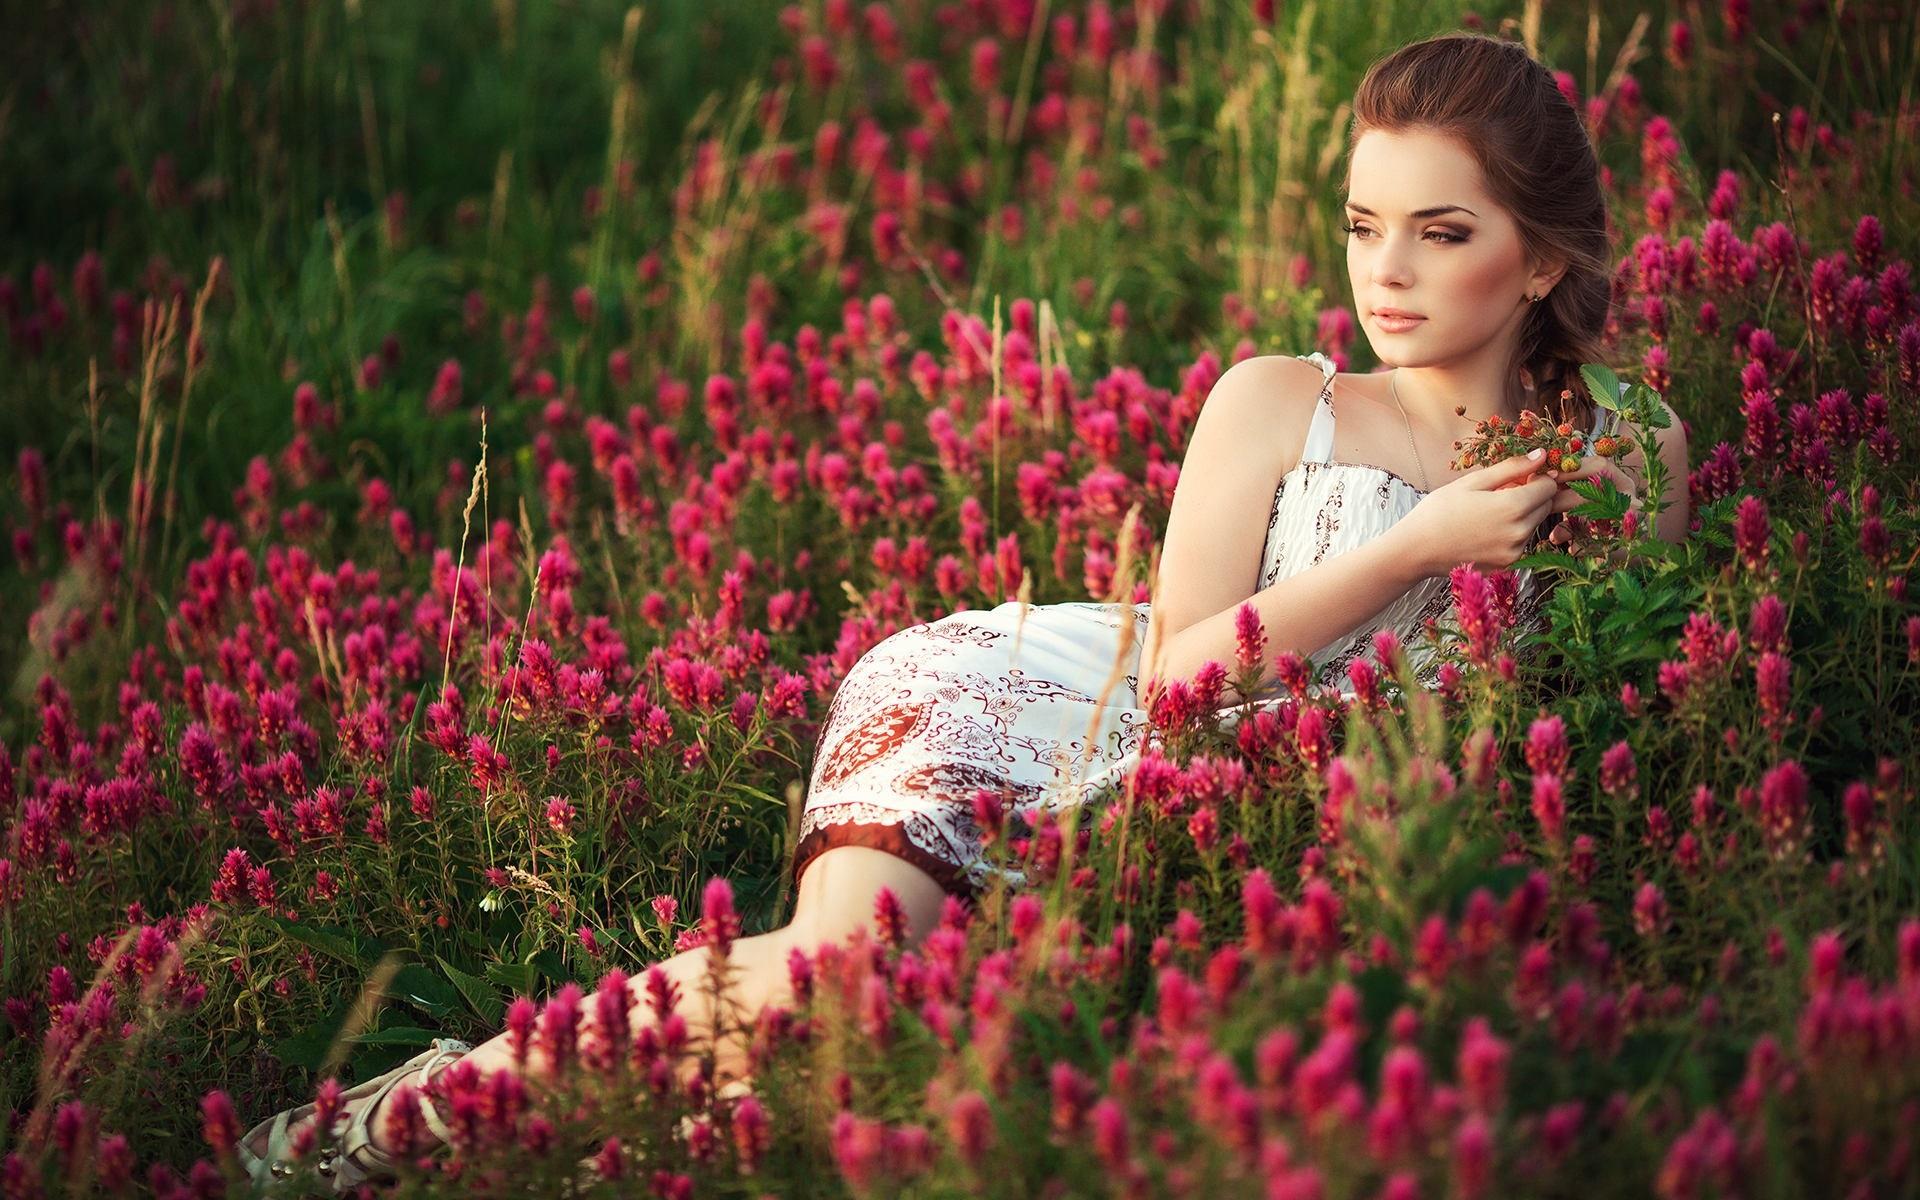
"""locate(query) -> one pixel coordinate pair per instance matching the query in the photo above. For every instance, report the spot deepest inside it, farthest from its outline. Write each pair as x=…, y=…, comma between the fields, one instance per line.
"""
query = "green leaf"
x=1381, y=991
x=1646, y=1057
x=307, y=1048
x=334, y=941
x=399, y=1035
x=1547, y=558
x=1426, y=836
x=1694, y=1079
x=518, y=978
x=760, y=794
x=552, y=966
x=1654, y=548
x=1500, y=882
x=1646, y=403
x=1715, y=517
x=424, y=990
x=481, y=997
x=1603, y=383
x=1618, y=621
x=1605, y=501
x=1663, y=597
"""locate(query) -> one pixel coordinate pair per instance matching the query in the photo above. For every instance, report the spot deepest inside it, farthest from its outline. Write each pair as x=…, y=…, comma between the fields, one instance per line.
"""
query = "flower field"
x=454, y=452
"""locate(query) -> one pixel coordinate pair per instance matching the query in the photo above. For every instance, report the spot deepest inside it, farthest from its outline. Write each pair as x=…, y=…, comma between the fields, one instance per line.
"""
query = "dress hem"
x=887, y=837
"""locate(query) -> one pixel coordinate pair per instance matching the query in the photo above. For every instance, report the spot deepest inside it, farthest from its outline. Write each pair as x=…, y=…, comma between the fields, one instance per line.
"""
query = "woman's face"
x=1426, y=238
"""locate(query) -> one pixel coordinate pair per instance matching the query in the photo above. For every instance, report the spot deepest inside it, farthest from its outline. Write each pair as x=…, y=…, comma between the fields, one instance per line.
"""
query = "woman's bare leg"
x=836, y=898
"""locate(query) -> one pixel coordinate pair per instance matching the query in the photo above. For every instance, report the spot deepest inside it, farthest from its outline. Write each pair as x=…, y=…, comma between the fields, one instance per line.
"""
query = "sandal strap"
x=357, y=1148
x=451, y=1050
x=261, y=1169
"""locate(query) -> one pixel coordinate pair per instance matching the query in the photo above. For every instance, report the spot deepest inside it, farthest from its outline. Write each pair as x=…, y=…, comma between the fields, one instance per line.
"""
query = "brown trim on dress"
x=877, y=836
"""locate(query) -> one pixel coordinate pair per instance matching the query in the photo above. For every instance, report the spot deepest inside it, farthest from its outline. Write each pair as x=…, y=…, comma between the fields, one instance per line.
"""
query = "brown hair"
x=1538, y=161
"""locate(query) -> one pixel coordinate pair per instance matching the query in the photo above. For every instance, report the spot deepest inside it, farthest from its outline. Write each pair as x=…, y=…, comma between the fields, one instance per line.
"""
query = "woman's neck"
x=1432, y=396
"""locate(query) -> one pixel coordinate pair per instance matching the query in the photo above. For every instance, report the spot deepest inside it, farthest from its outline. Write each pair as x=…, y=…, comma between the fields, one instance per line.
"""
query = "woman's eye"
x=1442, y=234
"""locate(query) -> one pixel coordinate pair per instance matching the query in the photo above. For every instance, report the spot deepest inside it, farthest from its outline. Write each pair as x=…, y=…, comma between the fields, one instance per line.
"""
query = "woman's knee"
x=837, y=894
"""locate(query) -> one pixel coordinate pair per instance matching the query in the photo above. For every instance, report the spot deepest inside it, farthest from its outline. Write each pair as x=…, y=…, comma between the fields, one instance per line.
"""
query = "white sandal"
x=356, y=1160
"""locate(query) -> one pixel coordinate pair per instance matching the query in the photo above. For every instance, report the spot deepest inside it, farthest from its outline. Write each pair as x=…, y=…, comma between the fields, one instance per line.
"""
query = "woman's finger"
x=1594, y=468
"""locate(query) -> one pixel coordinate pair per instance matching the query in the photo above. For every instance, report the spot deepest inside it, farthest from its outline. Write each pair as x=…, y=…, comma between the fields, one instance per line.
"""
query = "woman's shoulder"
x=1262, y=401
x=1265, y=380
x=1313, y=361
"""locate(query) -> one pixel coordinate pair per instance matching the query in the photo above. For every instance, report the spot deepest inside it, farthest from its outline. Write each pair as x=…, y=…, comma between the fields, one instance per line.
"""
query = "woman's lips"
x=1389, y=324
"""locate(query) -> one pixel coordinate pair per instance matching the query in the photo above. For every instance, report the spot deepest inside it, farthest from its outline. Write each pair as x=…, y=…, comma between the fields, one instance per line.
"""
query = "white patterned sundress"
x=1041, y=707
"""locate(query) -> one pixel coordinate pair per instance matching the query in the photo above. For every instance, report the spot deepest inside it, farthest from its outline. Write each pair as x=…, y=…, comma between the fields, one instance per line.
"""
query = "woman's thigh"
x=838, y=889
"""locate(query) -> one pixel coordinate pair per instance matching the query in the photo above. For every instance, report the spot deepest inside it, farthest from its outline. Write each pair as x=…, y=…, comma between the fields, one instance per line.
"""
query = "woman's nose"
x=1390, y=276
x=1389, y=265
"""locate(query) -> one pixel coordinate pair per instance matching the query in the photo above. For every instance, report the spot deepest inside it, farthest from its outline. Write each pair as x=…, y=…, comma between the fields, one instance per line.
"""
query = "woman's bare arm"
x=1302, y=612
x=1210, y=561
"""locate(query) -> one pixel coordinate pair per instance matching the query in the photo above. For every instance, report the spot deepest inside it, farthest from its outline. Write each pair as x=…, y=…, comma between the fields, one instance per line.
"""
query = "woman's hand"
x=1592, y=468
x=1486, y=516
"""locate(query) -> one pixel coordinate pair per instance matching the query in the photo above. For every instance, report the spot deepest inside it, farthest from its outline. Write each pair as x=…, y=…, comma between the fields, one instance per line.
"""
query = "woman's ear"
x=1545, y=275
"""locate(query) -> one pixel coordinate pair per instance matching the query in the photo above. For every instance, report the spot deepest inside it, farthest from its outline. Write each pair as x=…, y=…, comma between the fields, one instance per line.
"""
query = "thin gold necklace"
x=1393, y=382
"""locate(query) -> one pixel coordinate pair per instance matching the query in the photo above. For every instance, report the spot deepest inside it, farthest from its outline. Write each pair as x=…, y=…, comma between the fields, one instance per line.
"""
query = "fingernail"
x=1536, y=454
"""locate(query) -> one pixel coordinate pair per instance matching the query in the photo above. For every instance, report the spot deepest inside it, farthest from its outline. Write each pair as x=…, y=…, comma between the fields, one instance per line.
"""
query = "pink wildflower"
x=970, y=1127
x=612, y=1001
x=1483, y=1067
x=219, y=1126
x=1250, y=637
x=1472, y=1156
x=521, y=1016
x=1549, y=807
x=1825, y=962
x=1783, y=808
x=751, y=1134
x=488, y=766
x=890, y=918
x=1261, y=905
x=402, y=1124
x=717, y=917
x=559, y=1027
x=1649, y=912
x=859, y=1146
x=1072, y=1095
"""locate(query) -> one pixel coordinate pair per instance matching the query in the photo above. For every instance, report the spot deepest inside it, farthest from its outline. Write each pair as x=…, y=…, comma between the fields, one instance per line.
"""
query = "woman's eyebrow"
x=1436, y=211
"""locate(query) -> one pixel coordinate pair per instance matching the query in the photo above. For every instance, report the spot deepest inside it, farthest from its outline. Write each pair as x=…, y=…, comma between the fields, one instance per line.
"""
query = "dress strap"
x=1319, y=444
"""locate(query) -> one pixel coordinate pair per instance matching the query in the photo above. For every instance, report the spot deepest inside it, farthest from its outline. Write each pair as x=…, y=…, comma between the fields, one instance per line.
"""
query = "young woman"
x=1478, y=254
